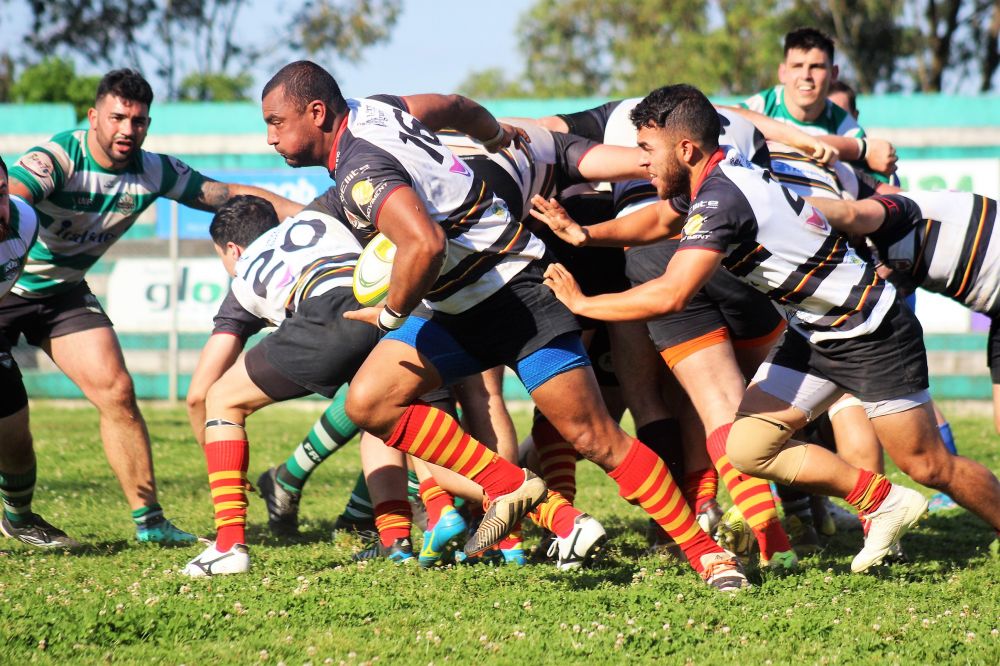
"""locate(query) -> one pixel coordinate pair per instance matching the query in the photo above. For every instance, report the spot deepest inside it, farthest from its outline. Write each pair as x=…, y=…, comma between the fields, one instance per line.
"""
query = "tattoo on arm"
x=213, y=194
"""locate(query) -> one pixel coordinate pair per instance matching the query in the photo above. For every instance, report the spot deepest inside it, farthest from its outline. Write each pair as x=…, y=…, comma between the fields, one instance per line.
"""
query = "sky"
x=433, y=47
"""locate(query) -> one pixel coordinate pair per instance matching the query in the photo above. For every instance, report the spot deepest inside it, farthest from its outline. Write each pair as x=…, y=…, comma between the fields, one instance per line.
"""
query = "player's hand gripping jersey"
x=784, y=248
x=610, y=123
x=379, y=148
x=83, y=208
x=943, y=242
x=22, y=231
x=306, y=255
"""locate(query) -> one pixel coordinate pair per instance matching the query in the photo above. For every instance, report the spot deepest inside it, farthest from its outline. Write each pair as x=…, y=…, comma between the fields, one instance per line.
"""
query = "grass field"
x=308, y=603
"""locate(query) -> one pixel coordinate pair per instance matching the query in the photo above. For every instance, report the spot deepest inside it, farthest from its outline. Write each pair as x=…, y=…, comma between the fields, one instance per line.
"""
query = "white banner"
x=139, y=294
x=981, y=176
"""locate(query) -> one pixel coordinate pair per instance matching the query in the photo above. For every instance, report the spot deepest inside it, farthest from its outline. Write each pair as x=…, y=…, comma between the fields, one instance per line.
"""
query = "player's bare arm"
x=420, y=253
x=466, y=116
x=856, y=218
x=214, y=193
x=606, y=163
x=646, y=225
x=879, y=154
x=19, y=190
x=814, y=147
x=686, y=273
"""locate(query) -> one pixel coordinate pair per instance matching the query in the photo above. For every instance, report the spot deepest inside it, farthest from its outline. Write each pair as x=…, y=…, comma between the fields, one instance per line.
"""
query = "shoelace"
x=727, y=564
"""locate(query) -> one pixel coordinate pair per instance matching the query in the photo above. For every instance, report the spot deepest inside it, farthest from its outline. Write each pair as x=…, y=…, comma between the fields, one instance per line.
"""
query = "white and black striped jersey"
x=808, y=178
x=783, y=247
x=610, y=123
x=380, y=148
x=549, y=160
x=943, y=242
x=306, y=255
x=22, y=232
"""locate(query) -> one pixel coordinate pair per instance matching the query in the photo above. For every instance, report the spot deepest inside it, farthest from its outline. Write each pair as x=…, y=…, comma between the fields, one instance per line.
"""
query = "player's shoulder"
x=24, y=219
x=766, y=101
x=839, y=121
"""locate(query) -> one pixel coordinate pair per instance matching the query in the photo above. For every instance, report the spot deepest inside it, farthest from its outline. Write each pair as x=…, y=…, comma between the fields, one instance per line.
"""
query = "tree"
x=55, y=80
x=193, y=45
x=628, y=47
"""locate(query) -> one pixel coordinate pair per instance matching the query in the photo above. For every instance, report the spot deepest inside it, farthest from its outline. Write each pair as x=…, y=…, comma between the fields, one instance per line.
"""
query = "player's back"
x=306, y=255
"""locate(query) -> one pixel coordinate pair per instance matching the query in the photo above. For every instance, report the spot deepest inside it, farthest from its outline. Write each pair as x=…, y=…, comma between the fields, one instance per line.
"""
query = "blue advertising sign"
x=302, y=185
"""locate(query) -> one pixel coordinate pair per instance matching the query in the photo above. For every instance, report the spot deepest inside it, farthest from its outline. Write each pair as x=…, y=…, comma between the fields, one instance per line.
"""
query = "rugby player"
x=18, y=232
x=484, y=305
x=847, y=330
x=89, y=186
x=800, y=99
x=721, y=336
x=939, y=241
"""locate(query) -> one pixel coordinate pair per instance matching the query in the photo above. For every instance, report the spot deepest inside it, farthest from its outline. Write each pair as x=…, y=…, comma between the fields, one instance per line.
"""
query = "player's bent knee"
x=117, y=394
x=756, y=447
x=927, y=470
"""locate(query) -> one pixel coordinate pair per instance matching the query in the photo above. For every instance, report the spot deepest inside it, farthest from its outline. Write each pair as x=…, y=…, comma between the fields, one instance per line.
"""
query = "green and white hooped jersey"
x=833, y=120
x=22, y=233
x=84, y=208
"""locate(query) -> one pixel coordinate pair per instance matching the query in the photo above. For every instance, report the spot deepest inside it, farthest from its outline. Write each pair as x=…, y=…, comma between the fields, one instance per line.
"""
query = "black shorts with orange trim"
x=725, y=308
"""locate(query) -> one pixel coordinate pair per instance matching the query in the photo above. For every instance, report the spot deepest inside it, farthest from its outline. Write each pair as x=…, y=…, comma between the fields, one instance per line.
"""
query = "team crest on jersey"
x=362, y=193
x=178, y=166
x=9, y=270
x=37, y=163
x=125, y=204
x=817, y=220
x=694, y=224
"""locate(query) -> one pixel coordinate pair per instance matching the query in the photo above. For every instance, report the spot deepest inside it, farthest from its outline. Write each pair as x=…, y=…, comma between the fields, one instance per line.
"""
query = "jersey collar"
x=331, y=160
x=713, y=161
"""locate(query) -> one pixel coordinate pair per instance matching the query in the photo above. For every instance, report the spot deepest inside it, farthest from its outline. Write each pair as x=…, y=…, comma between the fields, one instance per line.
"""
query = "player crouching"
x=296, y=275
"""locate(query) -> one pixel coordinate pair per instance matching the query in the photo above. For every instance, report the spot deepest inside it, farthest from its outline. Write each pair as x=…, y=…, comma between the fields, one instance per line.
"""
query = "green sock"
x=412, y=486
x=328, y=435
x=16, y=491
x=148, y=516
x=359, y=507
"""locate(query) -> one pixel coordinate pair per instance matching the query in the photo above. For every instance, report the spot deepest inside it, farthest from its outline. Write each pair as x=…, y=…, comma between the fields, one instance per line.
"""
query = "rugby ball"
x=371, y=275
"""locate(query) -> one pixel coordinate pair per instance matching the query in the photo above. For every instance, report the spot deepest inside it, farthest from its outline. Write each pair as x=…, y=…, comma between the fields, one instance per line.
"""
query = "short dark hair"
x=241, y=220
x=684, y=108
x=806, y=39
x=852, y=97
x=305, y=81
x=127, y=84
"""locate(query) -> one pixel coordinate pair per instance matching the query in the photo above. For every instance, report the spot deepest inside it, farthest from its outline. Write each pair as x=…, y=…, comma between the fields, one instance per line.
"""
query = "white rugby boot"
x=899, y=511
x=212, y=562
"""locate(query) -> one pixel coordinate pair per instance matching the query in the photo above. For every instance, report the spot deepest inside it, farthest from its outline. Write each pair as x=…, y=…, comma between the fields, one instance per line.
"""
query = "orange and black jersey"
x=944, y=242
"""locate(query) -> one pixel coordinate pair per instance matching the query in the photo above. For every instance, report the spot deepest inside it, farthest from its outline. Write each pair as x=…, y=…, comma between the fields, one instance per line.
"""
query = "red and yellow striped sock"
x=752, y=496
x=393, y=520
x=228, y=460
x=555, y=514
x=512, y=540
x=432, y=435
x=435, y=499
x=556, y=458
x=644, y=479
x=869, y=491
x=700, y=486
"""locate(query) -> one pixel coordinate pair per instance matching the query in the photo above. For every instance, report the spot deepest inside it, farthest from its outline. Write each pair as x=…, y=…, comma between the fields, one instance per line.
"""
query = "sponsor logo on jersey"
x=355, y=220
x=703, y=203
x=458, y=166
x=37, y=163
x=694, y=224
x=363, y=192
x=125, y=204
x=374, y=116
x=817, y=220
